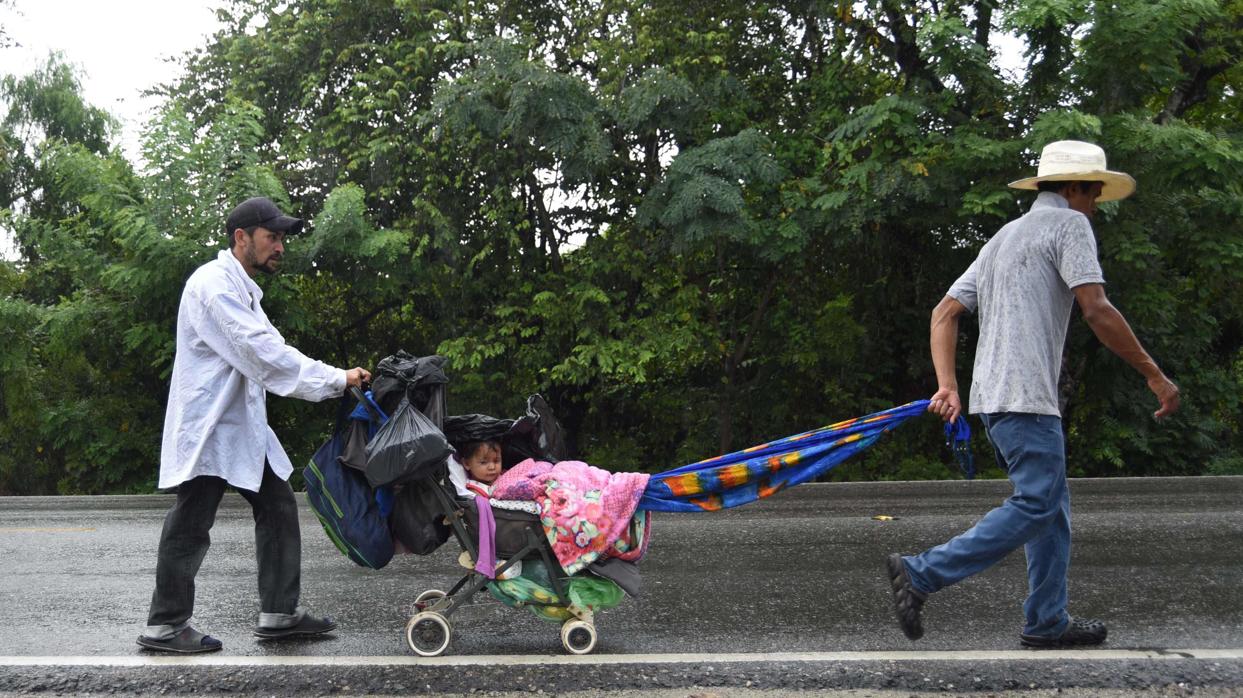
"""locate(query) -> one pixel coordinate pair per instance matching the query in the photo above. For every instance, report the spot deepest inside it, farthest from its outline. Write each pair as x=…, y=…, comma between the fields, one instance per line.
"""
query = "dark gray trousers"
x=186, y=538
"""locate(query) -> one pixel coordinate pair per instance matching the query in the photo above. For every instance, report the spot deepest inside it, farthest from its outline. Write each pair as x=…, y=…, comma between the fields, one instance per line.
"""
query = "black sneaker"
x=1080, y=632
x=908, y=602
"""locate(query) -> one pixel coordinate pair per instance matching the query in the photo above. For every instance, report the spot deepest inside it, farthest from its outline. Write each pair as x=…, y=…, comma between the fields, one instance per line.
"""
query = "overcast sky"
x=121, y=47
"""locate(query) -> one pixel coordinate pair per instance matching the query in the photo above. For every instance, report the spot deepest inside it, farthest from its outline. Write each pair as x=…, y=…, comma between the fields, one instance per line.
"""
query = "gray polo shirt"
x=1021, y=286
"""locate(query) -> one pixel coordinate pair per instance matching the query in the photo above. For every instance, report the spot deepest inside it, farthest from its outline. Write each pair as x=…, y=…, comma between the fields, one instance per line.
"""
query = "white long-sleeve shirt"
x=228, y=357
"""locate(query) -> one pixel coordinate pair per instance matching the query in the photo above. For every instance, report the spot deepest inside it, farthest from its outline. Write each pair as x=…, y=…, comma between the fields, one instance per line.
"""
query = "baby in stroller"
x=505, y=544
x=526, y=572
x=552, y=559
x=473, y=470
x=475, y=467
x=479, y=464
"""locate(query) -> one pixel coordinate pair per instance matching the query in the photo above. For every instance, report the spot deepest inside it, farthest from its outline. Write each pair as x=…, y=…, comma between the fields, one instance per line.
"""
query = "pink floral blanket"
x=586, y=511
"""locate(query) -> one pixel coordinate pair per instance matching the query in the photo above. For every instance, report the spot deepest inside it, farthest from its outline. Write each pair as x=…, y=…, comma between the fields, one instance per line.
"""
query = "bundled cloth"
x=587, y=513
x=761, y=471
x=533, y=590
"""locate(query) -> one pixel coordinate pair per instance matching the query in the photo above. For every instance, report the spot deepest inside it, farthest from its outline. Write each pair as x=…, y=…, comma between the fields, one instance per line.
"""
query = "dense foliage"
x=692, y=226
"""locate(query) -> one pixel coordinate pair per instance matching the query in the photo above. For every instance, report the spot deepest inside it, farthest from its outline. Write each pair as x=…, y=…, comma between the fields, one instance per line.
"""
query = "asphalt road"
x=788, y=593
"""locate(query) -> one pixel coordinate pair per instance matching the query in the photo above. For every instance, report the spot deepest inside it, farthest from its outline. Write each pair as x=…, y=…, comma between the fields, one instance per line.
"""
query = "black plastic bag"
x=408, y=446
x=467, y=428
x=536, y=435
x=421, y=380
x=415, y=520
x=355, y=452
x=547, y=439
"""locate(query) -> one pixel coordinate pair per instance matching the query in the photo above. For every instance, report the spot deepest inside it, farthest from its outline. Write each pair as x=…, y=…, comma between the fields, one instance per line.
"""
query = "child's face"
x=484, y=464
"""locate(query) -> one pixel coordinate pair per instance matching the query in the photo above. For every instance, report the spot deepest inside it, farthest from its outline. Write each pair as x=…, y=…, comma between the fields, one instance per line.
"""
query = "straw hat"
x=1069, y=161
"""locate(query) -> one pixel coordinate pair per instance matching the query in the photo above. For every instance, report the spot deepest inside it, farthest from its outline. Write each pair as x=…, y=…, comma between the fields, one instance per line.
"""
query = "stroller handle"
x=357, y=393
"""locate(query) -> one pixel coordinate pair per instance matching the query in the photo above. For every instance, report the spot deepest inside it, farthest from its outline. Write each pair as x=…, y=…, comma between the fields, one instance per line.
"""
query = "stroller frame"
x=428, y=632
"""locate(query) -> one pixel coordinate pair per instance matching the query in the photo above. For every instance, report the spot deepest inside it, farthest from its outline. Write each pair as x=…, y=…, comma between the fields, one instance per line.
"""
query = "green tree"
x=692, y=227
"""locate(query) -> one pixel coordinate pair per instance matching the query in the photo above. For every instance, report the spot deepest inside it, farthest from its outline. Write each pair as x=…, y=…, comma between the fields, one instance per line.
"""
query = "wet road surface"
x=787, y=593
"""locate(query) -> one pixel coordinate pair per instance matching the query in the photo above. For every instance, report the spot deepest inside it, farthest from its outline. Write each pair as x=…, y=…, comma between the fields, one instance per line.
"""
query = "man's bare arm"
x=1115, y=333
x=943, y=341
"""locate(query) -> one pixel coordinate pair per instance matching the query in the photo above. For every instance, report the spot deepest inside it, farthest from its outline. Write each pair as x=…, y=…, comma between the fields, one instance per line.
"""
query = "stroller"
x=427, y=508
x=519, y=538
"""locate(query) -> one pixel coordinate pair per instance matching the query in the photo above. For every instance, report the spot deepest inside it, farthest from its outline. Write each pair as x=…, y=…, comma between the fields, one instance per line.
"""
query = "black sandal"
x=186, y=641
x=1080, y=632
x=307, y=625
x=908, y=602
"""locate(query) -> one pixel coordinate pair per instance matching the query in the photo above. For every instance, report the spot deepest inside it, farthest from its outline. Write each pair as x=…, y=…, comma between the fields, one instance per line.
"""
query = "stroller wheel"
x=578, y=636
x=427, y=599
x=428, y=634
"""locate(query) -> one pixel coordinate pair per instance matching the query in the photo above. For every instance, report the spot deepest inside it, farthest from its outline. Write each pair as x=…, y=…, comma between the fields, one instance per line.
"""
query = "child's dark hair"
x=470, y=448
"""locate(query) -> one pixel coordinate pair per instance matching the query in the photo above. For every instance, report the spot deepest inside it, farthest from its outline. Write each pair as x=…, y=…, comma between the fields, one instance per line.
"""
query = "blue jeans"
x=1031, y=448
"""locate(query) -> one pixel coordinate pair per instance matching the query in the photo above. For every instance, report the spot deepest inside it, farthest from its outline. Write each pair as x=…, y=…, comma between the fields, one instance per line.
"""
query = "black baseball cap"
x=261, y=211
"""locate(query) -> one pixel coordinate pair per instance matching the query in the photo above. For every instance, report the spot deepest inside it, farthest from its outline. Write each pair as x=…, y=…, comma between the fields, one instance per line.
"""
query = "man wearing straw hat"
x=1023, y=285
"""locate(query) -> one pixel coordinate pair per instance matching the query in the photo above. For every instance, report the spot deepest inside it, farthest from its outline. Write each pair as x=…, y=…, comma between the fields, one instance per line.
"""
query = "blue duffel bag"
x=346, y=505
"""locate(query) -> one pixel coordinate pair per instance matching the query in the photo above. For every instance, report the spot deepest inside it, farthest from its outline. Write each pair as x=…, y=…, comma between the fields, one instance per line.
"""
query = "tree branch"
x=983, y=22
x=757, y=316
x=905, y=50
x=1194, y=89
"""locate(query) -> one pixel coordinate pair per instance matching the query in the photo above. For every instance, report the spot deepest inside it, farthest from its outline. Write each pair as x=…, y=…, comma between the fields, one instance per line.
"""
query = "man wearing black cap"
x=216, y=434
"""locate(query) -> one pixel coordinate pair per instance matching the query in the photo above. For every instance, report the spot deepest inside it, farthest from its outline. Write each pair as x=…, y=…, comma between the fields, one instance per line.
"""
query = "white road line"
x=603, y=659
